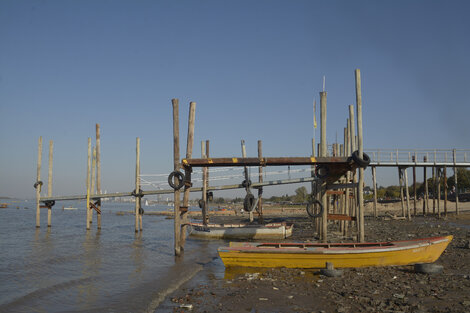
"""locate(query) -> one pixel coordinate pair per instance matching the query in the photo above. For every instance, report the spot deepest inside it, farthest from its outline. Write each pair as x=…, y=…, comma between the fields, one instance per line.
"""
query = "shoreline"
x=373, y=289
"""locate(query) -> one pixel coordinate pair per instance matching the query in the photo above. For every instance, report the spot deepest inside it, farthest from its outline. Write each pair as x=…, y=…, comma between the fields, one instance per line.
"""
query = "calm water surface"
x=69, y=269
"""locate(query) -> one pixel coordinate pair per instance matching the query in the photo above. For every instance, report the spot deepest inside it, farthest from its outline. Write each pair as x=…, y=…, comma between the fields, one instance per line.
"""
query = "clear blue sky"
x=253, y=67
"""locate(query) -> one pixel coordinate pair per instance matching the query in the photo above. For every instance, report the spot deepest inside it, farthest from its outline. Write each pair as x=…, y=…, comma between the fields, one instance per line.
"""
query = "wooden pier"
x=336, y=173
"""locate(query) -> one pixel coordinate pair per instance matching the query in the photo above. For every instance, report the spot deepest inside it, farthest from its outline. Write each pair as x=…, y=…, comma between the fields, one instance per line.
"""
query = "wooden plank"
x=341, y=217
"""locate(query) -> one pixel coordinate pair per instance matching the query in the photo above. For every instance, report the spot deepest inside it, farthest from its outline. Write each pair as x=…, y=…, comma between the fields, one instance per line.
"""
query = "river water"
x=68, y=269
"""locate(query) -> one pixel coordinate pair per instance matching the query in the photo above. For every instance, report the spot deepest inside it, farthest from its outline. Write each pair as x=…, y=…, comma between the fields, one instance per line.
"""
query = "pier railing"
x=419, y=157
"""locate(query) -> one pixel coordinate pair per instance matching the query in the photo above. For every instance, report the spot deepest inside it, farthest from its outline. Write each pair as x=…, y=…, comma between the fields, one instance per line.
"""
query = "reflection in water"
x=137, y=258
x=66, y=268
x=91, y=261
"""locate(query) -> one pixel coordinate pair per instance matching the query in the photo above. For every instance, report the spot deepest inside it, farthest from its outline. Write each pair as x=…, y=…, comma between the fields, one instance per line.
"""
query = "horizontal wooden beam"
x=341, y=217
x=274, y=161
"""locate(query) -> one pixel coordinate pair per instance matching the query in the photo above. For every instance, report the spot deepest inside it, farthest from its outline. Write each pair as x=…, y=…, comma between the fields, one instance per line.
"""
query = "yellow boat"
x=315, y=255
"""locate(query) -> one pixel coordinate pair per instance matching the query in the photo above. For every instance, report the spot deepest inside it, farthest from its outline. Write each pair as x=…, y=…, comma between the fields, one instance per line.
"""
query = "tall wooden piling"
x=414, y=185
x=426, y=193
x=456, y=191
x=204, y=185
x=438, y=192
x=137, y=183
x=361, y=151
x=93, y=177
x=374, y=181
x=187, y=186
x=434, y=189
x=323, y=151
x=408, y=214
x=247, y=177
x=98, y=173
x=176, y=167
x=445, y=190
x=260, y=179
x=347, y=151
x=38, y=184
x=402, y=197
x=353, y=147
x=49, y=184
x=207, y=180
x=88, y=185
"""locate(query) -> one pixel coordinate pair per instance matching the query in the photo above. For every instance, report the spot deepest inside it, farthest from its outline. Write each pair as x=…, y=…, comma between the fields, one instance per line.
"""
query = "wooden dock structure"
x=337, y=171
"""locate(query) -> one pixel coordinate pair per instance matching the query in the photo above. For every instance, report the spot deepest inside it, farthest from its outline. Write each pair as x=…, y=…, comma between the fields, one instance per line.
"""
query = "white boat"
x=69, y=208
x=241, y=231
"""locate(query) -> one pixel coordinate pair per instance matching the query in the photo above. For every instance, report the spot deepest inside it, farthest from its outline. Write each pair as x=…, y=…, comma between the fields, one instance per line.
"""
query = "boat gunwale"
x=321, y=249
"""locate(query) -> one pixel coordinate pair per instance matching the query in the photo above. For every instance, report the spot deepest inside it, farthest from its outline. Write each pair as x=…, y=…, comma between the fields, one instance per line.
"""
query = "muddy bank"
x=390, y=289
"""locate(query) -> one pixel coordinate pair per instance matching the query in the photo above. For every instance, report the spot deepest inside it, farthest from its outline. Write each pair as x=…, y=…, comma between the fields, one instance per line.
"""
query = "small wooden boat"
x=241, y=231
x=315, y=255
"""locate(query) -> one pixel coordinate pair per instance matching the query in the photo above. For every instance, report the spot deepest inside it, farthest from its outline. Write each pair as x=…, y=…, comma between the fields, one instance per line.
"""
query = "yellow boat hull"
x=424, y=252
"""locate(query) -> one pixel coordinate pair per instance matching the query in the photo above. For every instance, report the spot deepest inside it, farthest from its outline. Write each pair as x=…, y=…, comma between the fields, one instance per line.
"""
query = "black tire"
x=362, y=162
x=322, y=171
x=248, y=202
x=141, y=211
x=312, y=206
x=201, y=203
x=210, y=196
x=179, y=176
x=244, y=184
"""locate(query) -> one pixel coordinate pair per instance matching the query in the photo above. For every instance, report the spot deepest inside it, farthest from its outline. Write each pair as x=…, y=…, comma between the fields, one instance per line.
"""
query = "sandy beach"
x=374, y=289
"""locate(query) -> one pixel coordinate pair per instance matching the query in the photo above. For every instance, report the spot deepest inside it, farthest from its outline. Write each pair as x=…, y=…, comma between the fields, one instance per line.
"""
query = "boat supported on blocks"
x=341, y=255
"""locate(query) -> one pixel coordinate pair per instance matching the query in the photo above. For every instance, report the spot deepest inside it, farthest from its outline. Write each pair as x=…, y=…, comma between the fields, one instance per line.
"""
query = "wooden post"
x=408, y=214
x=445, y=190
x=98, y=173
x=315, y=225
x=352, y=137
x=38, y=184
x=402, y=197
x=204, y=185
x=207, y=180
x=88, y=185
x=187, y=187
x=456, y=184
x=414, y=186
x=438, y=192
x=93, y=177
x=434, y=189
x=247, y=177
x=374, y=181
x=361, y=151
x=260, y=179
x=176, y=167
x=426, y=193
x=323, y=151
x=347, y=201
x=137, y=183
x=49, y=184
